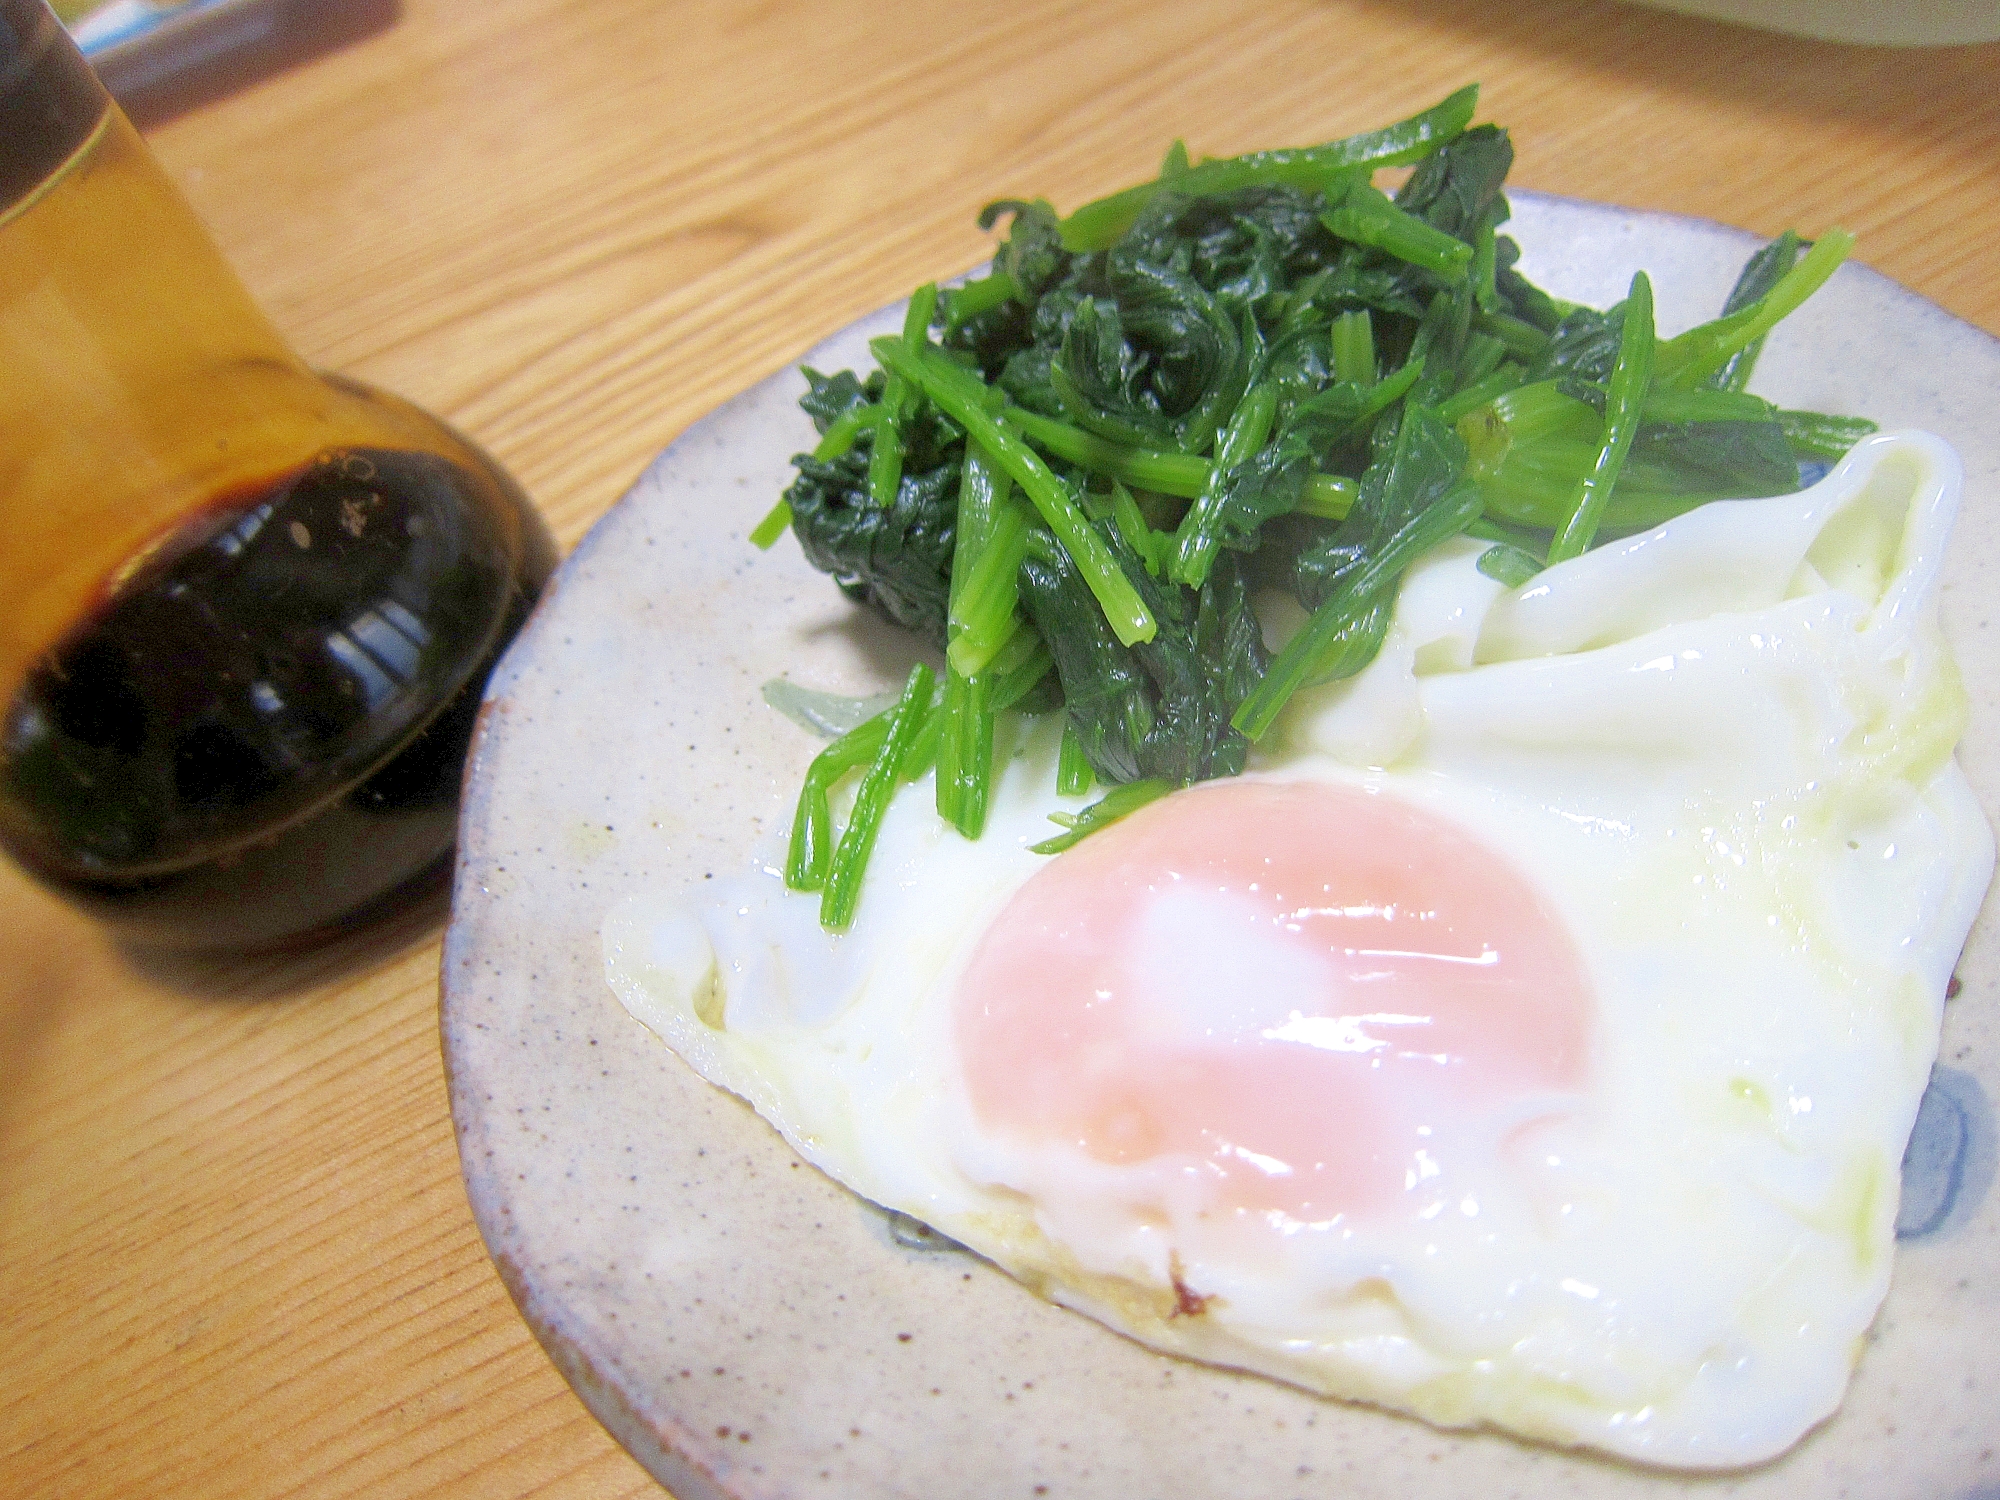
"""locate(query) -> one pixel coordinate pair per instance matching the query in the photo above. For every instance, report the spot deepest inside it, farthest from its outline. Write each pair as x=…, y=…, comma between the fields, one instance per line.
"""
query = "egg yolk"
x=1291, y=983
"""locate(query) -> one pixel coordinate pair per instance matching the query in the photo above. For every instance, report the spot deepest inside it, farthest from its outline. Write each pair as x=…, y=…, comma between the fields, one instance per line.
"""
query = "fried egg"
x=1529, y=1039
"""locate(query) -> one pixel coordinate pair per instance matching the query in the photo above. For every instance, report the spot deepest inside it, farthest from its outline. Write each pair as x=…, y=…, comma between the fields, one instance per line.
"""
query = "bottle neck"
x=50, y=101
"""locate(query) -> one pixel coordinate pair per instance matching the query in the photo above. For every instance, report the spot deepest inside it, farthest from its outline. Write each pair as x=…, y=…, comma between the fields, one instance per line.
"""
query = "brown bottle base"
x=240, y=747
x=368, y=852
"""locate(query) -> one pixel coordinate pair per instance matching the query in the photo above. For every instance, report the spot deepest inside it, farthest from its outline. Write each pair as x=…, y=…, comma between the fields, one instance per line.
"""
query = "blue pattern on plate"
x=1948, y=1165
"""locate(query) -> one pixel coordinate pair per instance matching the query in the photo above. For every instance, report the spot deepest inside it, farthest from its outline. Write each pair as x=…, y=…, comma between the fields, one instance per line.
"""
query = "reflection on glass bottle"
x=246, y=611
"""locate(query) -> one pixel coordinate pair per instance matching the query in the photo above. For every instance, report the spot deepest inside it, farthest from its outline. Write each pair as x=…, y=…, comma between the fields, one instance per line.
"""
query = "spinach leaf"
x=896, y=559
x=1159, y=708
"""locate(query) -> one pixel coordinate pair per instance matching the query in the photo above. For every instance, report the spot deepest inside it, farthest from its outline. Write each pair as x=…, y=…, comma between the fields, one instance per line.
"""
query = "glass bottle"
x=246, y=610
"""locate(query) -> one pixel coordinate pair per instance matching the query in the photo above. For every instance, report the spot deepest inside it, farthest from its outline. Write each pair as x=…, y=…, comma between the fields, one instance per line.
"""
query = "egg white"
x=1723, y=751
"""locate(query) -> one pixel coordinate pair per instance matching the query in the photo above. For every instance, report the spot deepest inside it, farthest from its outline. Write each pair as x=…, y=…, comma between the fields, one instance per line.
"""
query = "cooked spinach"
x=1067, y=472
x=895, y=557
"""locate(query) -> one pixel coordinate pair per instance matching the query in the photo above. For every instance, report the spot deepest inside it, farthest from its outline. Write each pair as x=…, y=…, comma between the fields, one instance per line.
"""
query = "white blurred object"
x=1915, y=23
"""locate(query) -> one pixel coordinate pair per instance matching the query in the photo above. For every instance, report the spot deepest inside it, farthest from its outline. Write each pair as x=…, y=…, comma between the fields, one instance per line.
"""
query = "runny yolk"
x=1290, y=983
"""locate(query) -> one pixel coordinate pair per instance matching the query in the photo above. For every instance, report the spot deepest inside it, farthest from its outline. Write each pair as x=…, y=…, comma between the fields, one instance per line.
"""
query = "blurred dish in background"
x=159, y=57
x=1912, y=23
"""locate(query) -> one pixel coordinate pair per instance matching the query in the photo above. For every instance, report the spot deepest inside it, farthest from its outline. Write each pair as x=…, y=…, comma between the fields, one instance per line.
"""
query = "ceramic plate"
x=750, y=1330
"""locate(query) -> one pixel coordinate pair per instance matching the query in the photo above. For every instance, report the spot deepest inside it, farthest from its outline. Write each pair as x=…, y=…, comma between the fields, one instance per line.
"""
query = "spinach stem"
x=1305, y=654
x=1623, y=406
x=1073, y=773
x=1119, y=803
x=850, y=857
x=984, y=614
x=962, y=396
x=963, y=303
x=1485, y=294
x=1523, y=340
x=1014, y=676
x=1354, y=347
x=1692, y=357
x=885, y=459
x=1098, y=225
x=965, y=753
x=1474, y=396
x=1197, y=540
x=1132, y=526
x=777, y=521
x=812, y=824
x=845, y=428
x=1180, y=475
x=1367, y=217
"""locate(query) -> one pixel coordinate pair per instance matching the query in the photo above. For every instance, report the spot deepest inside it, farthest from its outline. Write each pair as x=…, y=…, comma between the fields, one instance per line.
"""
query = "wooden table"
x=235, y=1258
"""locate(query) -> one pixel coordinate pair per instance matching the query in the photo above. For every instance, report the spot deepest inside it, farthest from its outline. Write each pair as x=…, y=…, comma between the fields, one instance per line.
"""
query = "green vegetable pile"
x=1260, y=371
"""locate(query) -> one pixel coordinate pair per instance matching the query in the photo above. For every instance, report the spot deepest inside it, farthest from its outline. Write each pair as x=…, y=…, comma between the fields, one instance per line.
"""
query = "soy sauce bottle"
x=246, y=610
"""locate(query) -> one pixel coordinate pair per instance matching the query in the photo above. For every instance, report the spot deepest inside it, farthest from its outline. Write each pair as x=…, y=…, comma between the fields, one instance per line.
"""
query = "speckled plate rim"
x=549, y=1080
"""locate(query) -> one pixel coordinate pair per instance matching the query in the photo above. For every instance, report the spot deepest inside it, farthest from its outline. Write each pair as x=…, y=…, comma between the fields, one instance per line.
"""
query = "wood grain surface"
x=235, y=1258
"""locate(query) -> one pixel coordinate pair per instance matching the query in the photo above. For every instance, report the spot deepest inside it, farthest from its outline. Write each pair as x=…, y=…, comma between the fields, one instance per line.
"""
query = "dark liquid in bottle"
x=262, y=727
